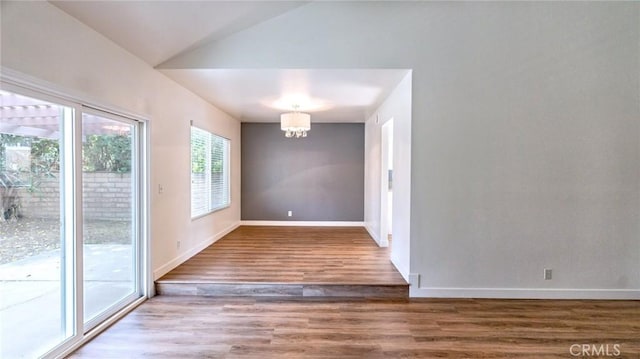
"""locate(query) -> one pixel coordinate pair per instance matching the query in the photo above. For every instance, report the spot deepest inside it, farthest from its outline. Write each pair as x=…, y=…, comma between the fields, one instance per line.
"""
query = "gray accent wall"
x=318, y=178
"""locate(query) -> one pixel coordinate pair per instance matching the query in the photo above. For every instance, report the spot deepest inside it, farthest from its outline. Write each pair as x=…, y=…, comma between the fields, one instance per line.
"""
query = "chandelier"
x=295, y=124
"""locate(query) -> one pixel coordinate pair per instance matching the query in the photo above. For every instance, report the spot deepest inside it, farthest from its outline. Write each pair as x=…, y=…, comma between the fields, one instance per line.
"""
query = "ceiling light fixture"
x=295, y=124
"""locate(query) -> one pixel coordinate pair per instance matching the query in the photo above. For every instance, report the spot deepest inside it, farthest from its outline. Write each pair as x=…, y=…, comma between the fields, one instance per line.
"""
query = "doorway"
x=386, y=187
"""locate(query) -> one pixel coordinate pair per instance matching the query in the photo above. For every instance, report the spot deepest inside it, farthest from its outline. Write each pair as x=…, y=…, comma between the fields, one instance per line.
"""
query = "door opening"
x=386, y=188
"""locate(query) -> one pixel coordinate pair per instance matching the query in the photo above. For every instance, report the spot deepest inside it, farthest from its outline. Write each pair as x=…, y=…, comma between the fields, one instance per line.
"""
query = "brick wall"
x=106, y=195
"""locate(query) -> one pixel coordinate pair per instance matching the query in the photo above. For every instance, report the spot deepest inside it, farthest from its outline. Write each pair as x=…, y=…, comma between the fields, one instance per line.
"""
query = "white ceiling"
x=261, y=95
x=157, y=31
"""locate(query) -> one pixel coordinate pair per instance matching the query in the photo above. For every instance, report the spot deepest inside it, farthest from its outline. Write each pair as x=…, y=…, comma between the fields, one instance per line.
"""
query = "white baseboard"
x=406, y=277
x=524, y=293
x=304, y=223
x=166, y=268
x=374, y=235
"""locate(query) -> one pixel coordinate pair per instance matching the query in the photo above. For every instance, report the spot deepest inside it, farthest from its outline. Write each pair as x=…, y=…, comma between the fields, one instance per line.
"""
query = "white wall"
x=525, y=134
x=372, y=180
x=41, y=41
x=397, y=106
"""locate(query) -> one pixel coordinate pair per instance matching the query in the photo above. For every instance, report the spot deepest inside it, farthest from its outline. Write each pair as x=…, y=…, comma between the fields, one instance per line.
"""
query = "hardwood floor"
x=205, y=327
x=289, y=261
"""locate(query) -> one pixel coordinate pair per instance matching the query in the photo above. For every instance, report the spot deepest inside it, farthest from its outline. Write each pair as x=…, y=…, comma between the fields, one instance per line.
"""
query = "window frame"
x=226, y=171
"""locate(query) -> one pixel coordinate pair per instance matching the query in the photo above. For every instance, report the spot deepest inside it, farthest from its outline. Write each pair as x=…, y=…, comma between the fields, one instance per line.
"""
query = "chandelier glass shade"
x=295, y=124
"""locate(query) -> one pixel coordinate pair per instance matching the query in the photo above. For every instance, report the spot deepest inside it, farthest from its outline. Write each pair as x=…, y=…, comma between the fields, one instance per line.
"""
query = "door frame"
x=386, y=146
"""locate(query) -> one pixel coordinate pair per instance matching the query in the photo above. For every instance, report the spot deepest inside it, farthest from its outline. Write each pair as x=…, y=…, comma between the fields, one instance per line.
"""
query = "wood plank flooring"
x=205, y=327
x=289, y=261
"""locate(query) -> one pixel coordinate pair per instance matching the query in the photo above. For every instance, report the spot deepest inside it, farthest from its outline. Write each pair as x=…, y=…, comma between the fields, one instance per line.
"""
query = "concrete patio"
x=30, y=305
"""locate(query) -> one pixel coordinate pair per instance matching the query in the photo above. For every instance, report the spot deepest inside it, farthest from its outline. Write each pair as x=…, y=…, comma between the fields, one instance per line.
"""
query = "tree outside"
x=29, y=168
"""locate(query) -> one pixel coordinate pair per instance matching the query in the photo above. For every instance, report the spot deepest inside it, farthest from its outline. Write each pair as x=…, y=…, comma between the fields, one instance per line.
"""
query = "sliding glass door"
x=70, y=220
x=34, y=240
x=109, y=207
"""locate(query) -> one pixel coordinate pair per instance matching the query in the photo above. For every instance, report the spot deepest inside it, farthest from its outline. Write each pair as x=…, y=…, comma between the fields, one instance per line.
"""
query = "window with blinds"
x=209, y=172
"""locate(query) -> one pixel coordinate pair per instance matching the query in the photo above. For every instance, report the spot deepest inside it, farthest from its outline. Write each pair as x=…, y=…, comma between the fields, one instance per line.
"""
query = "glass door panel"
x=36, y=295
x=110, y=239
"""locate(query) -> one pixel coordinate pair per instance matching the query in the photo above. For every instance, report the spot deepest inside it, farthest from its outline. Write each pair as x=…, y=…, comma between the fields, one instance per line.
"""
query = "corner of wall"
x=375, y=236
x=172, y=264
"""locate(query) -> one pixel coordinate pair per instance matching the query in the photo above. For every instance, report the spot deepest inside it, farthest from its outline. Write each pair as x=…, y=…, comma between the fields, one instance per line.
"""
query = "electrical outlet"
x=178, y=244
x=160, y=189
x=290, y=213
x=548, y=272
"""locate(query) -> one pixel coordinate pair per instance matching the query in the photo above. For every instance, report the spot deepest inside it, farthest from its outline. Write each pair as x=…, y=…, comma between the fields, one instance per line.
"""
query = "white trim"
x=397, y=266
x=385, y=136
x=167, y=267
x=304, y=223
x=524, y=293
x=149, y=289
x=374, y=235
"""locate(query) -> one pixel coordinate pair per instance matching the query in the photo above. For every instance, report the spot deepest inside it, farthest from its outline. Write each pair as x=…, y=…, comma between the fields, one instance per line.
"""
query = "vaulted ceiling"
x=156, y=31
x=159, y=31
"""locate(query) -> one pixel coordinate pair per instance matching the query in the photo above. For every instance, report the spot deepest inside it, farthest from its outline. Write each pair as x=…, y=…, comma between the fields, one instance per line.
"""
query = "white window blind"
x=209, y=172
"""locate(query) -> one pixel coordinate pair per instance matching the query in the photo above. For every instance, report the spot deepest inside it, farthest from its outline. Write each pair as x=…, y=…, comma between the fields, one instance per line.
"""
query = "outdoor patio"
x=30, y=278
